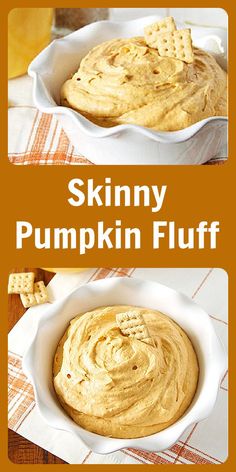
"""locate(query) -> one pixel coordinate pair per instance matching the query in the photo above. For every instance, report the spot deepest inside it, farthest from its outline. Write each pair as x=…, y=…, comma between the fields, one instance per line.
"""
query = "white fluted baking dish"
x=38, y=359
x=125, y=144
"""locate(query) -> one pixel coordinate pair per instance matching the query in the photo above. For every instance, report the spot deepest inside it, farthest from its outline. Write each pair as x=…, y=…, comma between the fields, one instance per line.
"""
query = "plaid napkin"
x=203, y=443
x=37, y=138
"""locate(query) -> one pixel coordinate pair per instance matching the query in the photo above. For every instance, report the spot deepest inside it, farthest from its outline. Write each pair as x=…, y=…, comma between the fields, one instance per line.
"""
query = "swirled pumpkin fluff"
x=119, y=386
x=126, y=81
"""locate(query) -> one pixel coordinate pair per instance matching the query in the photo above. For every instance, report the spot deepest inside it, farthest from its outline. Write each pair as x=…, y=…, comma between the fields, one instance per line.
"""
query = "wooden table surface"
x=20, y=450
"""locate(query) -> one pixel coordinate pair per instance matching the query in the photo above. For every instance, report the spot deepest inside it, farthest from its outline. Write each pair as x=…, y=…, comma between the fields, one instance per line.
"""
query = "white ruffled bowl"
x=38, y=359
x=124, y=144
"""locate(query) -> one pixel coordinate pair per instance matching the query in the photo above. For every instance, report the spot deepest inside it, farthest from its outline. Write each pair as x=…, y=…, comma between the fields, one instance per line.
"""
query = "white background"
x=199, y=16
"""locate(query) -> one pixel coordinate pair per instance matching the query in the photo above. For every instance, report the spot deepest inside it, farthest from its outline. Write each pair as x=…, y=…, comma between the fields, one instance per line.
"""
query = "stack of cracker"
x=169, y=41
x=132, y=324
x=31, y=293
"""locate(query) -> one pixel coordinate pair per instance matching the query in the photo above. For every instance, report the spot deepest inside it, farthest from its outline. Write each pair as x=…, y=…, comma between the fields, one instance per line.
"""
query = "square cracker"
x=163, y=26
x=23, y=282
x=28, y=299
x=177, y=44
x=40, y=292
x=133, y=324
x=38, y=297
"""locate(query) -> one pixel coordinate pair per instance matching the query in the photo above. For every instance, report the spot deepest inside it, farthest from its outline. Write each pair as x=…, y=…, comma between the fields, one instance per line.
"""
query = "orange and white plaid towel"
x=20, y=393
x=203, y=443
x=36, y=138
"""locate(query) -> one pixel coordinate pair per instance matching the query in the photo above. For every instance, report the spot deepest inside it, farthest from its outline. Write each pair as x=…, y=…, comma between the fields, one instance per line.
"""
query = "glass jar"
x=29, y=31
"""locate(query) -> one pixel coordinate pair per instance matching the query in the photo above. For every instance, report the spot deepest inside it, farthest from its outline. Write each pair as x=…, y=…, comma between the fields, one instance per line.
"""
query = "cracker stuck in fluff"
x=39, y=296
x=176, y=44
x=162, y=26
x=151, y=32
x=23, y=282
x=133, y=325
